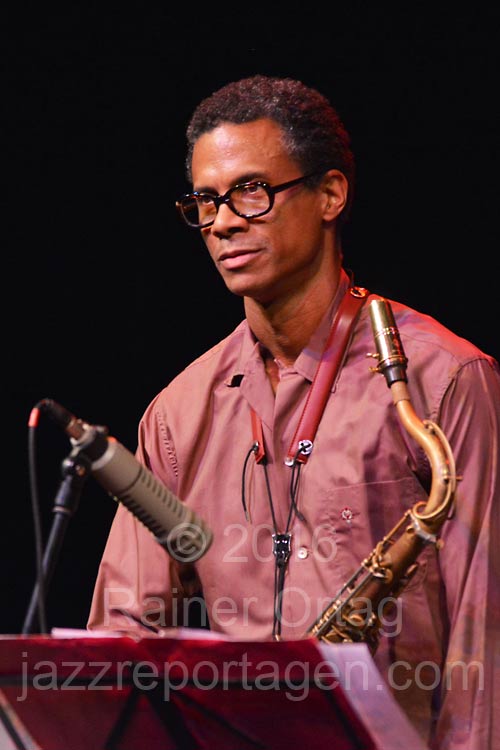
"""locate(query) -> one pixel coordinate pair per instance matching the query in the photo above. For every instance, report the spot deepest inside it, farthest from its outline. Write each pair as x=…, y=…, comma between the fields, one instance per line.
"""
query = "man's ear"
x=335, y=189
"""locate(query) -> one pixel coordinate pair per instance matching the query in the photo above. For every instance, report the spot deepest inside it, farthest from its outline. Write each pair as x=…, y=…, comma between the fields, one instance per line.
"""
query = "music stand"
x=196, y=691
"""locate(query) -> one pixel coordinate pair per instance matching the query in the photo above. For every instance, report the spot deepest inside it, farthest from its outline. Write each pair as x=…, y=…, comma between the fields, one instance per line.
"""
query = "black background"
x=107, y=296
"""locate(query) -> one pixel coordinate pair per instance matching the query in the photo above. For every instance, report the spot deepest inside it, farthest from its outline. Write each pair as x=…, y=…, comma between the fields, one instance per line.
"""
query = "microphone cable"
x=37, y=523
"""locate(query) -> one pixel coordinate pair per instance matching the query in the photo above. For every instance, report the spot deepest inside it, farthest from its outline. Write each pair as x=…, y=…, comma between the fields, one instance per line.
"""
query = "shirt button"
x=302, y=553
x=347, y=514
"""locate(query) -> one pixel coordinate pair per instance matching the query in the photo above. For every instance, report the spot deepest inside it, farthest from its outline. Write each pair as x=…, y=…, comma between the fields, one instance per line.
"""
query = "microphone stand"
x=75, y=470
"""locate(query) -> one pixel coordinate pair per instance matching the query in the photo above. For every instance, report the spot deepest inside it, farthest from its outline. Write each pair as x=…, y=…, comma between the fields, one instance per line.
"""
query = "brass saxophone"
x=354, y=614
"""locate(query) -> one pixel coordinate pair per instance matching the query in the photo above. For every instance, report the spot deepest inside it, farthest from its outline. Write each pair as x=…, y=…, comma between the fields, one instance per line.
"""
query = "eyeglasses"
x=248, y=200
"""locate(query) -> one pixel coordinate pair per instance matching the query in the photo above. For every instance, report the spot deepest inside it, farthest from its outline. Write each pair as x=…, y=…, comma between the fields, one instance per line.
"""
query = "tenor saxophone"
x=354, y=614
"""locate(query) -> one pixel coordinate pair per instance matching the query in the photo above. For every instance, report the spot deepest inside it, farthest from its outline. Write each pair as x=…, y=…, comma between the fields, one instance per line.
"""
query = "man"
x=272, y=174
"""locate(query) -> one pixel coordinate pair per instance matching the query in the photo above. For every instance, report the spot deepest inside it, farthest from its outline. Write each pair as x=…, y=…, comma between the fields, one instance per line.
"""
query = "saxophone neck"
x=433, y=512
x=392, y=364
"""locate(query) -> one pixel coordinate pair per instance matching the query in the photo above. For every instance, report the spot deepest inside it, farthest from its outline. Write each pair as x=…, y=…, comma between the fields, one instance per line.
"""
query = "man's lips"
x=237, y=257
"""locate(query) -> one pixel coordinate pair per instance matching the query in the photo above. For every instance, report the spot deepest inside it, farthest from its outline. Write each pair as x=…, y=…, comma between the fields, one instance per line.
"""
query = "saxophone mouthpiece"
x=392, y=361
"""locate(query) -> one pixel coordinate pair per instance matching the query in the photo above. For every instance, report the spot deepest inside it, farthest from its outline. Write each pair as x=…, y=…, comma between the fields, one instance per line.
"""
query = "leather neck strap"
x=331, y=360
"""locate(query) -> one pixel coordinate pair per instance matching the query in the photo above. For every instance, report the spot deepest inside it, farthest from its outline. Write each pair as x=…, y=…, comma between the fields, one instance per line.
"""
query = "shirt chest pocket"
x=360, y=516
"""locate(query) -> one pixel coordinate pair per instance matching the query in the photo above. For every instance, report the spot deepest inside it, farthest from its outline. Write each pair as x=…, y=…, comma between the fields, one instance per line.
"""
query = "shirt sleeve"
x=139, y=588
x=470, y=564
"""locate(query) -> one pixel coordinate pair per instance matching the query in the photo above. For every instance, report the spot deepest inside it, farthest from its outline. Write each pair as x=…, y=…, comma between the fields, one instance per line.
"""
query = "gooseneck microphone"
x=175, y=527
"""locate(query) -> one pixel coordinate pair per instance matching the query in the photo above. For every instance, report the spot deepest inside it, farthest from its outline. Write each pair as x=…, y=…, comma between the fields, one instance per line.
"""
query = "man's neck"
x=285, y=327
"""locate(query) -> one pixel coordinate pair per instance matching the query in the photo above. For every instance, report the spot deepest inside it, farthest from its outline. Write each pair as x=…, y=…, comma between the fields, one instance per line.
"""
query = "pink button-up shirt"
x=439, y=650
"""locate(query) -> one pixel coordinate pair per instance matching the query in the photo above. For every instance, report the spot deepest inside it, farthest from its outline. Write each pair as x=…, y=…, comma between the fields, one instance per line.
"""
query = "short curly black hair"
x=314, y=134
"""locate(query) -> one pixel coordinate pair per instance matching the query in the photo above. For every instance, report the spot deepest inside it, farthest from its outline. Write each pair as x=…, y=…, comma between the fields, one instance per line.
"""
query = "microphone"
x=175, y=527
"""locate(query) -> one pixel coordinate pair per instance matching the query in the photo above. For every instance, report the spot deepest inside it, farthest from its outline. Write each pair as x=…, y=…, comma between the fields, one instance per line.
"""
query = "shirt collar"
x=249, y=356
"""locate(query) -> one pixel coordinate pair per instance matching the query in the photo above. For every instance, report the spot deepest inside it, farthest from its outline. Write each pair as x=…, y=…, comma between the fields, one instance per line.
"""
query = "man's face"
x=268, y=256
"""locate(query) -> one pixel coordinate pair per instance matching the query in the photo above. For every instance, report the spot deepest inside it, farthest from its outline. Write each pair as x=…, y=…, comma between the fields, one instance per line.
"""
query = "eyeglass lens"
x=247, y=200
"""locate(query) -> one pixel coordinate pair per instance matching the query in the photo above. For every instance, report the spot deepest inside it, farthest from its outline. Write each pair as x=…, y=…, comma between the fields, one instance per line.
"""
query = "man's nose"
x=227, y=221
